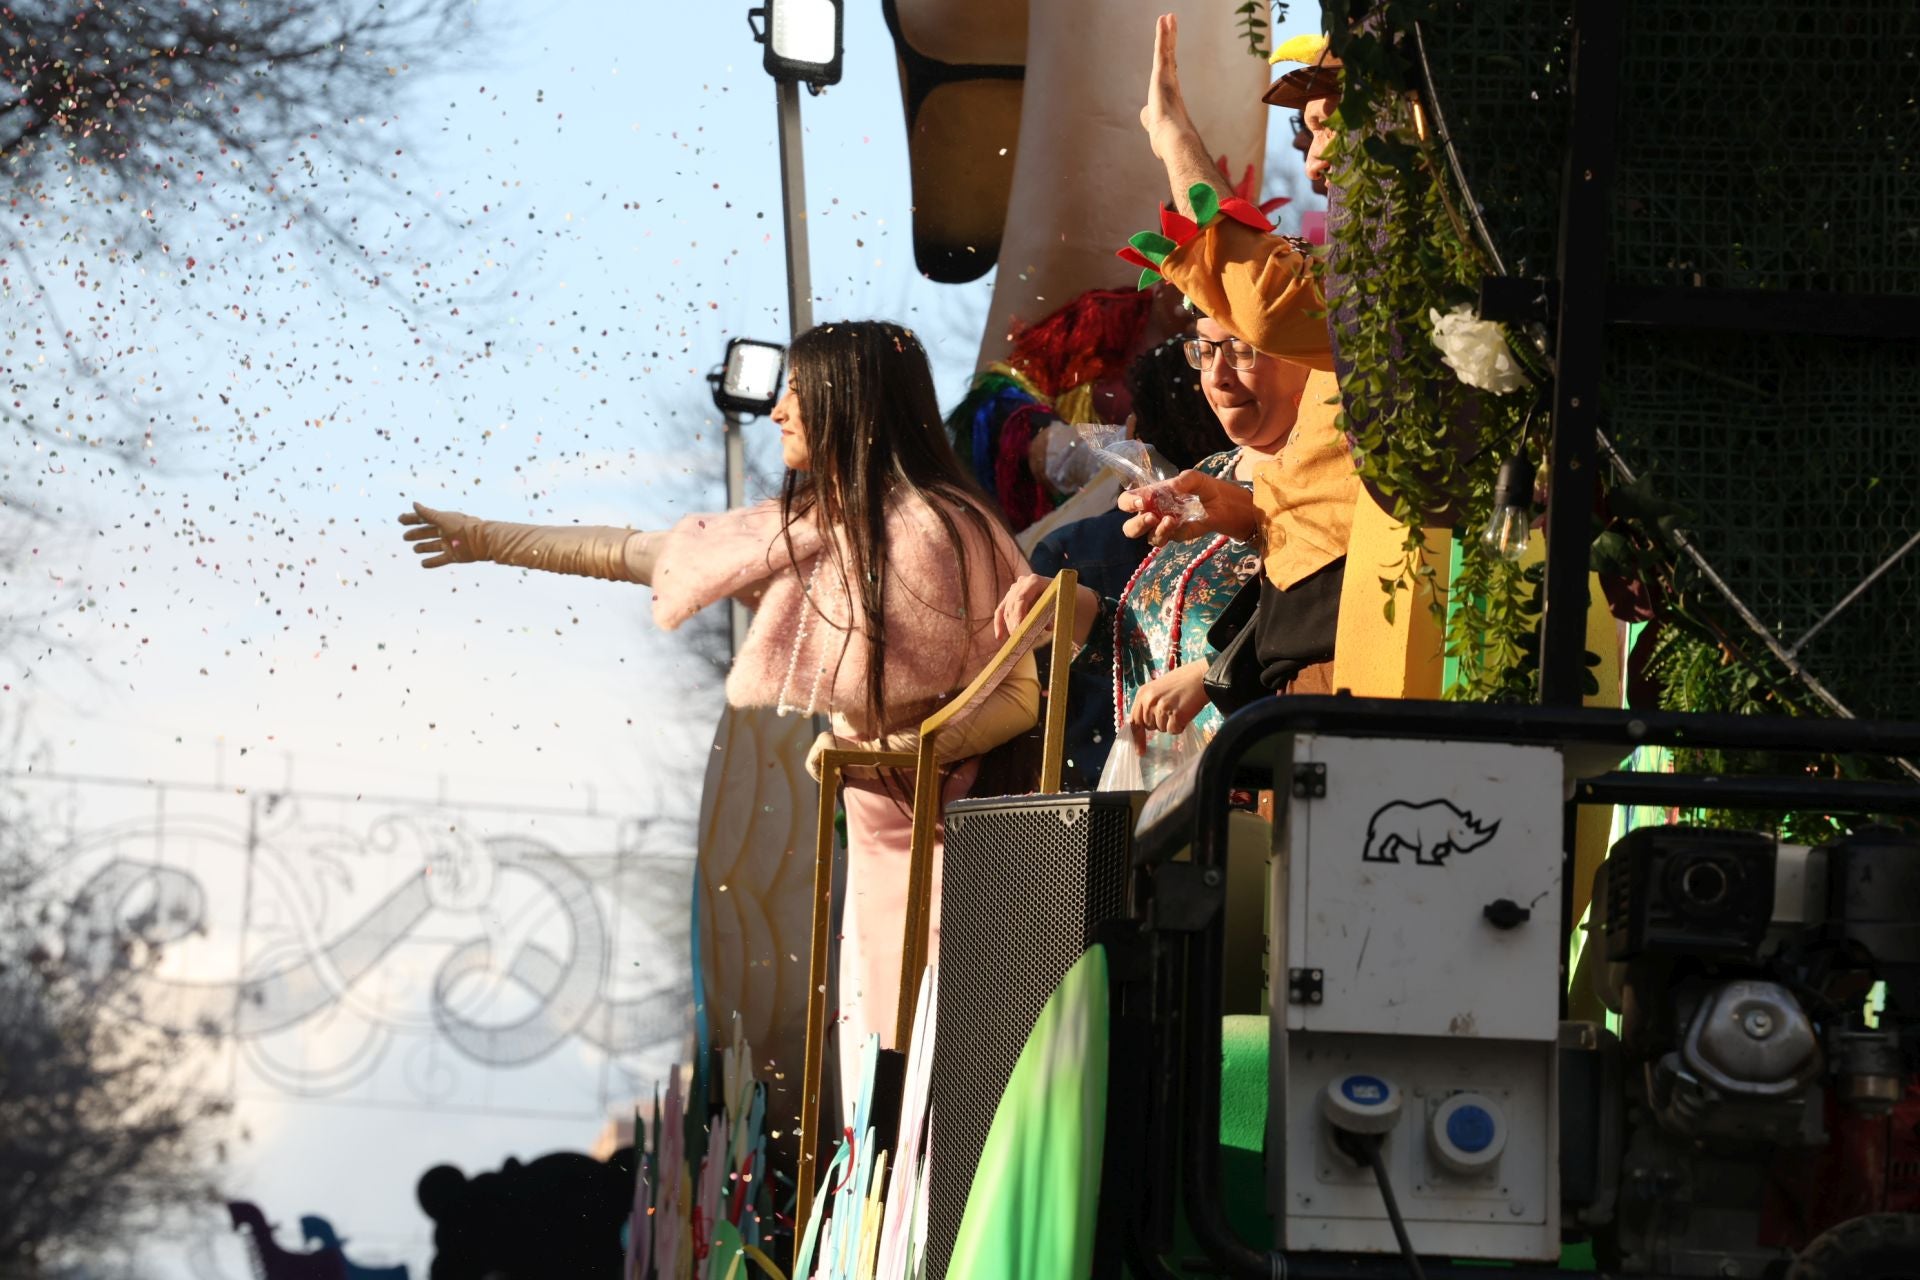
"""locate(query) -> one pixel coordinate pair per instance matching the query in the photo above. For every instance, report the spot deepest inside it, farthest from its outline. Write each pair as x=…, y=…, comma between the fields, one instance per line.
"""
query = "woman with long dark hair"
x=874, y=576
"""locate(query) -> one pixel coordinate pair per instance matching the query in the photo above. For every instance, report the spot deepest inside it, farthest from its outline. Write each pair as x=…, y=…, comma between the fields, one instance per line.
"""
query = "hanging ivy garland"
x=1428, y=444
x=1254, y=26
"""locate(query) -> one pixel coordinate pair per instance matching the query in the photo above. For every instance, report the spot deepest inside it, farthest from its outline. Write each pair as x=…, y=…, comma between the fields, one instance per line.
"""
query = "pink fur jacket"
x=804, y=652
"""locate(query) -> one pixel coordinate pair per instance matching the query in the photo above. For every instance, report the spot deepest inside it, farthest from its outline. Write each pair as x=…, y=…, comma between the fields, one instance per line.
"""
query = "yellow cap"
x=1303, y=49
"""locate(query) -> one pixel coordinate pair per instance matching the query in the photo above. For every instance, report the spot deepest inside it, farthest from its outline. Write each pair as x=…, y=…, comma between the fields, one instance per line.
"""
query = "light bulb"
x=1511, y=523
x=1507, y=532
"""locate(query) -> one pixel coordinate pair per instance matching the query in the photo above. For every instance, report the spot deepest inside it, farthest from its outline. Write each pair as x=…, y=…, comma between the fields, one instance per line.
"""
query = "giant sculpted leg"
x=1053, y=168
x=1085, y=179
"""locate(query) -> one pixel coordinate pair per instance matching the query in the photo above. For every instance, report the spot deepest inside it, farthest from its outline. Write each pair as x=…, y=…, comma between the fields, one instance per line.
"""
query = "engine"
x=1762, y=1091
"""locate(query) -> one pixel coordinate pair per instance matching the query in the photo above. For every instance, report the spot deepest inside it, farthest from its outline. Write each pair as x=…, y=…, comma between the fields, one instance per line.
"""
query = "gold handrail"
x=1058, y=599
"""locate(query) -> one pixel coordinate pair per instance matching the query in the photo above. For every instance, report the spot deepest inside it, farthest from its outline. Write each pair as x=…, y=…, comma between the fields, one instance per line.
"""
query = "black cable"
x=1365, y=1147
x=1379, y=1168
x=1453, y=156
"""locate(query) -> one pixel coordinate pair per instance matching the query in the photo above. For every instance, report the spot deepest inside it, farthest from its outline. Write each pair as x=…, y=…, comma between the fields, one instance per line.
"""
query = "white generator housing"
x=1415, y=957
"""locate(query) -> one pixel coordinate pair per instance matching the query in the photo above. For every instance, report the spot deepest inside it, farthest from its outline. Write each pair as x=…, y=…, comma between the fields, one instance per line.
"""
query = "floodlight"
x=749, y=381
x=802, y=39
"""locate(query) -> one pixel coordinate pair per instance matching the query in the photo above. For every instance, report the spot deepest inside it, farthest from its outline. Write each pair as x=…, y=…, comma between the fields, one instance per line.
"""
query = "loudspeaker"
x=1027, y=884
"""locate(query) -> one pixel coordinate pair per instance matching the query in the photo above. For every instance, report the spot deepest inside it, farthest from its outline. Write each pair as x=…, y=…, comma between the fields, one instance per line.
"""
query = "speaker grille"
x=1027, y=883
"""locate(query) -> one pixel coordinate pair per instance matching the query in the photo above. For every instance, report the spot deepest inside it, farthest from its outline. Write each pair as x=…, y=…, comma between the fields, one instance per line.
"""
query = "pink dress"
x=805, y=653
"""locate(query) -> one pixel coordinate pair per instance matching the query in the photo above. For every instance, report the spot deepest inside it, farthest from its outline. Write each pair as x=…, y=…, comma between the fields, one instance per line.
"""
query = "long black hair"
x=874, y=438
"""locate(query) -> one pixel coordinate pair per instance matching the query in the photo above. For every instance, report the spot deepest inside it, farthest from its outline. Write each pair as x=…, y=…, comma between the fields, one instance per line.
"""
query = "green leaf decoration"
x=1253, y=26
x=1151, y=243
x=1205, y=201
x=1149, y=277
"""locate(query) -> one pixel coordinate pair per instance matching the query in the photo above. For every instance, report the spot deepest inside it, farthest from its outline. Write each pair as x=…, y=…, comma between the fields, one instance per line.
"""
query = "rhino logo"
x=1430, y=831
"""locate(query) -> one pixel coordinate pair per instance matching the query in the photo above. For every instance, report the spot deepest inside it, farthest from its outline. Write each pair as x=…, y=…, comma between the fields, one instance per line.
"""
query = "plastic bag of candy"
x=1145, y=471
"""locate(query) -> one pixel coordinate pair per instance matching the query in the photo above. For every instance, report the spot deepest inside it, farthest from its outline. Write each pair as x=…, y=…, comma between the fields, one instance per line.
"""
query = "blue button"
x=1470, y=1129
x=1368, y=1091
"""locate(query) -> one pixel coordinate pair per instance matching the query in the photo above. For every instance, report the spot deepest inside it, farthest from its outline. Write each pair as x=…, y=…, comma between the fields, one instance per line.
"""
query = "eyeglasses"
x=1299, y=123
x=1200, y=352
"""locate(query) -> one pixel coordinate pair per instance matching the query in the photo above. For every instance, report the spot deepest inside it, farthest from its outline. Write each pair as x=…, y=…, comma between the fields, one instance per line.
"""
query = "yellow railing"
x=1056, y=602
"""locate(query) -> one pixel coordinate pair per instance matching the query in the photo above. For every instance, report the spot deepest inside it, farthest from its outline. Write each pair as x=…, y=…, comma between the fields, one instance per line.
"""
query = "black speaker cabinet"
x=1028, y=881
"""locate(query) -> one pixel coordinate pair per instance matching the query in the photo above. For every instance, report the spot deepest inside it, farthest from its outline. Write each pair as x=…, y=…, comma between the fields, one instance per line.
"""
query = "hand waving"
x=1165, y=114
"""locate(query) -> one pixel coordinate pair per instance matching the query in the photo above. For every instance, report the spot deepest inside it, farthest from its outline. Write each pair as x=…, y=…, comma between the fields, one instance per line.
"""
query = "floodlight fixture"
x=802, y=39
x=749, y=382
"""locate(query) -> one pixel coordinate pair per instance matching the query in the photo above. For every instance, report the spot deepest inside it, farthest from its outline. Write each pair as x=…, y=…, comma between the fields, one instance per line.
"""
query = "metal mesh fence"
x=1799, y=457
x=1770, y=144
x=1767, y=145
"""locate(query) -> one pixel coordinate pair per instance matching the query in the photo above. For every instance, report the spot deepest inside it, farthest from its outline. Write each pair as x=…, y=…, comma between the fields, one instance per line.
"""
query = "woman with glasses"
x=1152, y=635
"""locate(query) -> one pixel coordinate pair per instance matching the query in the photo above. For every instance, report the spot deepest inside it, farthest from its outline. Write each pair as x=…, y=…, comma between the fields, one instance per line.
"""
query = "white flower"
x=1476, y=350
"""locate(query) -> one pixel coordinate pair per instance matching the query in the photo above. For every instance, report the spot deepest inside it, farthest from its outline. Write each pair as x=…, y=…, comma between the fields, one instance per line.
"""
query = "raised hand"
x=1165, y=116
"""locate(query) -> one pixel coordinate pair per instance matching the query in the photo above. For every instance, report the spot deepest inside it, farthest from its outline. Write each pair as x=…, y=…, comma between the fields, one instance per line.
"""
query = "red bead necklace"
x=1179, y=617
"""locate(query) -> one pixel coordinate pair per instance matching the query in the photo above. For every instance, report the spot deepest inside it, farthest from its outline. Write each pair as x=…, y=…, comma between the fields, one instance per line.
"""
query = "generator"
x=1728, y=1086
x=1415, y=902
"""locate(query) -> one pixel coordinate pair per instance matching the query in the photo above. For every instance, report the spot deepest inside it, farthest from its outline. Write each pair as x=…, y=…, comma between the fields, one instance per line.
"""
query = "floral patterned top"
x=1182, y=586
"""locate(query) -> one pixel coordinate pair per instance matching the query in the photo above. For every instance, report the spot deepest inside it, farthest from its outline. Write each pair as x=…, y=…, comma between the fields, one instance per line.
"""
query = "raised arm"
x=1262, y=288
x=1170, y=129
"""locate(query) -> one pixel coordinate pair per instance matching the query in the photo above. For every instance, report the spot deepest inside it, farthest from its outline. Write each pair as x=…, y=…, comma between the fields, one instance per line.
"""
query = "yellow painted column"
x=1375, y=658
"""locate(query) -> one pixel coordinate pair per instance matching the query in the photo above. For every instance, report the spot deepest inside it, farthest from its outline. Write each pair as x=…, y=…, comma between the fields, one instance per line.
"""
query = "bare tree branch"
x=125, y=125
x=98, y=1120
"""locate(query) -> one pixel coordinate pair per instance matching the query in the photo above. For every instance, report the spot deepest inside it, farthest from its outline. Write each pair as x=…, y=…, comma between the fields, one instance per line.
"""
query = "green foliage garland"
x=1700, y=663
x=1254, y=26
x=1426, y=442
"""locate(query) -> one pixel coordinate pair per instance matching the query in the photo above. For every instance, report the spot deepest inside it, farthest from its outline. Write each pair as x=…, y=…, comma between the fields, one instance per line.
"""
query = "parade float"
x=1582, y=932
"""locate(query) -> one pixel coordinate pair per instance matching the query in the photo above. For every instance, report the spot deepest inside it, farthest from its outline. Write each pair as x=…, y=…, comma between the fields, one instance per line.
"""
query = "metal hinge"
x=1305, y=986
x=1310, y=782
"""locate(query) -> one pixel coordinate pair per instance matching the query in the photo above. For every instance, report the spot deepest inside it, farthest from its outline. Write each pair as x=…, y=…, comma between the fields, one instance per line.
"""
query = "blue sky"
x=578, y=211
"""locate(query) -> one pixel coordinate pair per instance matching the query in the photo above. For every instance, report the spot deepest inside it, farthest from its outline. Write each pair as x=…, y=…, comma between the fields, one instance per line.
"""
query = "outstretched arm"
x=591, y=551
x=1170, y=129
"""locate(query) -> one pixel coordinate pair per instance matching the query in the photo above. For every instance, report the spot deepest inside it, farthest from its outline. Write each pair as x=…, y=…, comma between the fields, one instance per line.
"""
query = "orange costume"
x=1265, y=290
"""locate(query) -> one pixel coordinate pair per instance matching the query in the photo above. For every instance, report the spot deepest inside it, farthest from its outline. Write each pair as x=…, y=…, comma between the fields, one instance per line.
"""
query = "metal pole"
x=793, y=189
x=793, y=185
x=736, y=496
x=1580, y=349
x=815, y=1131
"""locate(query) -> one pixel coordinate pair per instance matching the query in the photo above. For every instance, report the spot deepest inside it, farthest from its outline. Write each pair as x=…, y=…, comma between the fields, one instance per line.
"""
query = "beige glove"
x=590, y=551
x=1012, y=708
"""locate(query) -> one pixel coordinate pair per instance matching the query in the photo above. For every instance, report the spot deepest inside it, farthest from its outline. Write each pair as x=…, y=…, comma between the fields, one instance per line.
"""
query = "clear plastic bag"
x=1146, y=472
x=1122, y=770
x=1071, y=461
x=1132, y=767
